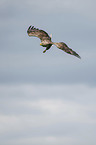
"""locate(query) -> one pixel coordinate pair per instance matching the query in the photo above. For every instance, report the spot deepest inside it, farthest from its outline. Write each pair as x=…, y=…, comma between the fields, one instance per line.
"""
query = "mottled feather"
x=46, y=41
x=38, y=33
x=64, y=47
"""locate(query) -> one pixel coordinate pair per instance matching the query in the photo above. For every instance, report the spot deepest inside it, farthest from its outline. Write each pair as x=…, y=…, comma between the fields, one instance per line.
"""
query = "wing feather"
x=38, y=33
x=64, y=47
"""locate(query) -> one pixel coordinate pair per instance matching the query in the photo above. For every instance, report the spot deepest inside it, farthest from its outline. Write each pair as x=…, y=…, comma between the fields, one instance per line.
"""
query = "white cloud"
x=52, y=140
x=46, y=113
x=83, y=7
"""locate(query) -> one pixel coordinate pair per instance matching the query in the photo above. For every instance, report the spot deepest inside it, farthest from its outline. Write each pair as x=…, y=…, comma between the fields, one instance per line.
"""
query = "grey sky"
x=47, y=98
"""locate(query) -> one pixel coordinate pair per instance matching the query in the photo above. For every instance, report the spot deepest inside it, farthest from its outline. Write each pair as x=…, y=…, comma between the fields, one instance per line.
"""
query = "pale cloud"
x=83, y=7
x=47, y=98
x=52, y=140
x=28, y=107
x=19, y=53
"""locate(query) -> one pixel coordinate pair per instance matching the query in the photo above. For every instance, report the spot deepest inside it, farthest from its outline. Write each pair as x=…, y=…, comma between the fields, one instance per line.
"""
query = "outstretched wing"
x=64, y=47
x=38, y=33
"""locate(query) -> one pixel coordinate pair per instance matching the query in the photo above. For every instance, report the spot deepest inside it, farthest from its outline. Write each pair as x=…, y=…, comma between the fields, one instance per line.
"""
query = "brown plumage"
x=46, y=41
x=64, y=47
x=44, y=37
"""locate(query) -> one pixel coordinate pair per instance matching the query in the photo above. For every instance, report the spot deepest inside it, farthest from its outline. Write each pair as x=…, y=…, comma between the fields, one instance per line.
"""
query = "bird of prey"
x=46, y=41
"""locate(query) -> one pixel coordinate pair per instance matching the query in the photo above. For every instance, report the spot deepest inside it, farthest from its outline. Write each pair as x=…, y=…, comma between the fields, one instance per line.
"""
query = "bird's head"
x=41, y=44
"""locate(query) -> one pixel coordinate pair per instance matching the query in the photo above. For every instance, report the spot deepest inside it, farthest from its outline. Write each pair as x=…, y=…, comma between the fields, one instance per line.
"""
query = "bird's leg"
x=48, y=47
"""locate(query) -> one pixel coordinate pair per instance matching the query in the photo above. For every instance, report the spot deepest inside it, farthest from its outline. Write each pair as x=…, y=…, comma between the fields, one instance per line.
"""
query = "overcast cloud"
x=47, y=98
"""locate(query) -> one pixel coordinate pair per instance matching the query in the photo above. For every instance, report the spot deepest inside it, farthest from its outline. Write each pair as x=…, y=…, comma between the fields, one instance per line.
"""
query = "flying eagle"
x=46, y=41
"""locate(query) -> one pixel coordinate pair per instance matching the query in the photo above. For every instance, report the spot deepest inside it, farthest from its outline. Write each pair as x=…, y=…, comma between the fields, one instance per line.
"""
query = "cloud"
x=53, y=67
x=47, y=98
x=21, y=57
x=47, y=113
x=40, y=140
x=52, y=6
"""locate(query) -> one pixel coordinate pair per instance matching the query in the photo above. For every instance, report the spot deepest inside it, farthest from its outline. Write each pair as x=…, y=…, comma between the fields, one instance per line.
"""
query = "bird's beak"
x=40, y=43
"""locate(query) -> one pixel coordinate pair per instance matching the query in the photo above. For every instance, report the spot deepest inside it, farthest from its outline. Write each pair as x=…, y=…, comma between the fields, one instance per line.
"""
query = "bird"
x=47, y=42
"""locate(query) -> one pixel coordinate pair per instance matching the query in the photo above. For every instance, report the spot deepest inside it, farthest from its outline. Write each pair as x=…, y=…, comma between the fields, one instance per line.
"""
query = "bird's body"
x=46, y=41
x=44, y=37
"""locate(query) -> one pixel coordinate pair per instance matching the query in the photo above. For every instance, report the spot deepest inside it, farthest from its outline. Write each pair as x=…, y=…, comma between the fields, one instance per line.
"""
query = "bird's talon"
x=44, y=51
